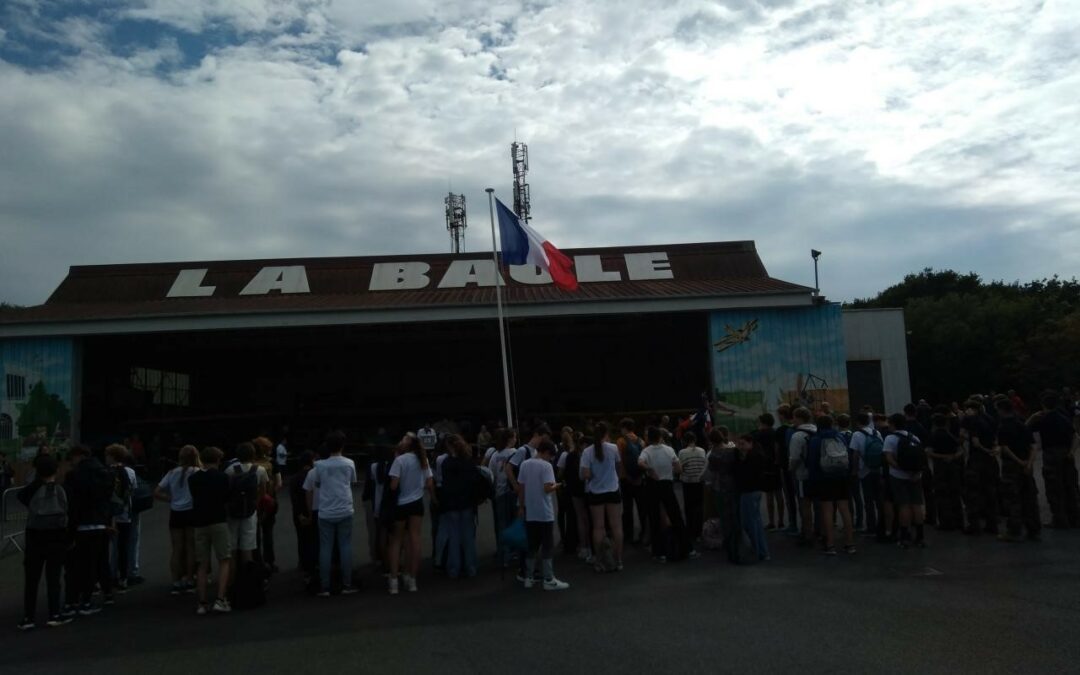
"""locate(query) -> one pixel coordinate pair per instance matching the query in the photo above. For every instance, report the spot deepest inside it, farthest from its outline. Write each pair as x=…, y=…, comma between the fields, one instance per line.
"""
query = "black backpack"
x=633, y=453
x=243, y=491
x=910, y=455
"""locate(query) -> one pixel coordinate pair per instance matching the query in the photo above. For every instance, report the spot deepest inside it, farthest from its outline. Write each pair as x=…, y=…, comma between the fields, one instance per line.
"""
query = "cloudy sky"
x=891, y=135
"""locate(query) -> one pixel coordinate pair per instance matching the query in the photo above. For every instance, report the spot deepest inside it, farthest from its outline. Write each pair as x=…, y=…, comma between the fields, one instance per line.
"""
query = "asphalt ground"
x=966, y=604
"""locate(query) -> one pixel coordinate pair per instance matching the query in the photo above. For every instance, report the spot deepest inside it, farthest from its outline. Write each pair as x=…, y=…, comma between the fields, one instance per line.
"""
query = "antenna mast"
x=519, y=155
x=455, y=221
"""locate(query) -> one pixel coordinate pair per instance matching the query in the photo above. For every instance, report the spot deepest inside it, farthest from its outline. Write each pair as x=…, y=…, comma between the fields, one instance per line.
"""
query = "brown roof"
x=139, y=290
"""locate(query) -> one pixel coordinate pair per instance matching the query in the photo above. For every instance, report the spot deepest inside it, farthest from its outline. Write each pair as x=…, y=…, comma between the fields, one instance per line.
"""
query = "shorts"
x=406, y=511
x=598, y=499
x=212, y=540
x=242, y=533
x=906, y=492
x=832, y=490
x=180, y=520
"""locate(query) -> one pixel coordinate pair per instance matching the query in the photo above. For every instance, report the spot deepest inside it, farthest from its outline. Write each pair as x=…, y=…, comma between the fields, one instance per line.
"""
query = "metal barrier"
x=12, y=521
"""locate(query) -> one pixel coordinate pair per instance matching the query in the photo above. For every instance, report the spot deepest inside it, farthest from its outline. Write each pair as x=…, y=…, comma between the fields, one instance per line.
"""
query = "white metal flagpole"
x=498, y=304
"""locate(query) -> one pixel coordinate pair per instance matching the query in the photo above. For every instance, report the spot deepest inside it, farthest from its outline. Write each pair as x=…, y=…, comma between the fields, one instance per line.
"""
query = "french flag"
x=521, y=245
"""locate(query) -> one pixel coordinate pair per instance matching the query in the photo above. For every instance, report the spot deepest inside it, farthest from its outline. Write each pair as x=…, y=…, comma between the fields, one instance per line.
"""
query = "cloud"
x=891, y=137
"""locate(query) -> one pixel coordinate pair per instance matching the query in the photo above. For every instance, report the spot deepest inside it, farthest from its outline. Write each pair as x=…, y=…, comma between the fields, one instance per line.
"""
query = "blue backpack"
x=873, y=452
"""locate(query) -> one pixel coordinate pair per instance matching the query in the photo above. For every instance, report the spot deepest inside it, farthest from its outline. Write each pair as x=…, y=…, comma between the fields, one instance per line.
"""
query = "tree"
x=968, y=336
x=43, y=410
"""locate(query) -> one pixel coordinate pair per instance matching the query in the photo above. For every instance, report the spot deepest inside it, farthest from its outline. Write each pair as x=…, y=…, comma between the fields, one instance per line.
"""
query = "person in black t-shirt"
x=982, y=475
x=915, y=426
x=1019, y=496
x=787, y=480
x=947, y=454
x=1056, y=435
x=209, y=500
x=771, y=486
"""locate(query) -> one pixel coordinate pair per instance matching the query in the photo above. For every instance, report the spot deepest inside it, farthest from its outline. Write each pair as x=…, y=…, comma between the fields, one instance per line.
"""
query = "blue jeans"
x=340, y=529
x=133, y=545
x=460, y=528
x=505, y=510
x=871, y=490
x=750, y=519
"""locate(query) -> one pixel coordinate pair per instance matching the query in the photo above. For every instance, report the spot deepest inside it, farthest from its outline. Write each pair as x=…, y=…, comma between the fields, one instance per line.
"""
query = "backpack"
x=833, y=456
x=482, y=485
x=120, y=501
x=48, y=508
x=243, y=490
x=142, y=496
x=102, y=483
x=630, y=462
x=909, y=455
x=712, y=534
x=873, y=451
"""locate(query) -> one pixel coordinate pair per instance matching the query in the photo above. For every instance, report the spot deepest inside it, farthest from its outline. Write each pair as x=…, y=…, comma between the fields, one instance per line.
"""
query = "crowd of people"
x=824, y=479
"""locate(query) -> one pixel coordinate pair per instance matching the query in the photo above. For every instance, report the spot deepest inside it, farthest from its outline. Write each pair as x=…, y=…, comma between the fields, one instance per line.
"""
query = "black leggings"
x=123, y=537
x=45, y=550
x=661, y=496
x=91, y=565
x=541, y=538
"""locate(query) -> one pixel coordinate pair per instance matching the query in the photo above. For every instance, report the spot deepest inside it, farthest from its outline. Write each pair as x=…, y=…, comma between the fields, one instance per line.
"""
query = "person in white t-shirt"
x=601, y=469
x=660, y=464
x=334, y=477
x=410, y=477
x=281, y=456
x=536, y=484
x=173, y=488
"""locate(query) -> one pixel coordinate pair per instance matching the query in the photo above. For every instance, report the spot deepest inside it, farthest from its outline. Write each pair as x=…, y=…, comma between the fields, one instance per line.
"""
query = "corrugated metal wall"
x=881, y=335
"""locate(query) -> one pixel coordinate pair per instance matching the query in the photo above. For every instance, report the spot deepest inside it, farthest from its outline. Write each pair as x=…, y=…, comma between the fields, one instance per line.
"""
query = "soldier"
x=1019, y=496
x=945, y=449
x=1055, y=434
x=982, y=475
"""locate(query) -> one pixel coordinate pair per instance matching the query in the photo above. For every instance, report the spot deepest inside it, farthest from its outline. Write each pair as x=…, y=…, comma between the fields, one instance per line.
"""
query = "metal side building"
x=214, y=351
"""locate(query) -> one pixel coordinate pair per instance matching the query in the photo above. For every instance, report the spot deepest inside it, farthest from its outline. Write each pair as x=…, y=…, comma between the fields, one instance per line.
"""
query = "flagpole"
x=498, y=304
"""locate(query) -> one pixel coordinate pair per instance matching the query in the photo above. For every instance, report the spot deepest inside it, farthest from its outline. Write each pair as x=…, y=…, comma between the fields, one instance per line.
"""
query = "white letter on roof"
x=399, y=276
x=188, y=284
x=591, y=268
x=529, y=274
x=643, y=266
x=285, y=279
x=464, y=272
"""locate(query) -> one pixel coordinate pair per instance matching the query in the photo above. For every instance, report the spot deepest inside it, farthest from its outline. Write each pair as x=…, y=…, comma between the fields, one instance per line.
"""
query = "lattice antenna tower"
x=519, y=155
x=455, y=221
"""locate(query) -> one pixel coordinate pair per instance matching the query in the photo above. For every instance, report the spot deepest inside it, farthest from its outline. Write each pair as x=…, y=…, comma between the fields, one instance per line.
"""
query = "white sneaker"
x=393, y=586
x=554, y=584
x=222, y=606
x=410, y=584
x=527, y=582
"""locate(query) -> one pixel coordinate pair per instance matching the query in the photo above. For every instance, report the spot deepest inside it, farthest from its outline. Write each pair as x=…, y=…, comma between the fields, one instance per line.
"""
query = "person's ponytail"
x=600, y=432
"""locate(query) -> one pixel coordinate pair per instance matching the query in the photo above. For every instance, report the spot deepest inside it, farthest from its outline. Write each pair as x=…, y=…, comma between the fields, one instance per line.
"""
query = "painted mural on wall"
x=762, y=358
x=36, y=392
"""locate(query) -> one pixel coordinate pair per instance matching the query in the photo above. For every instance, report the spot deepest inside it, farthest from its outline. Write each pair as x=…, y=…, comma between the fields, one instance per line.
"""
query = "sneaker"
x=618, y=566
x=660, y=558
x=202, y=609
x=109, y=600
x=693, y=555
x=58, y=620
x=121, y=586
x=393, y=586
x=527, y=582
x=86, y=609
x=410, y=584
x=26, y=624
x=589, y=560
x=850, y=549
x=830, y=550
x=135, y=580
x=68, y=612
x=903, y=545
x=521, y=578
x=189, y=588
x=349, y=590
x=222, y=606
x=177, y=589
x=323, y=594
x=554, y=584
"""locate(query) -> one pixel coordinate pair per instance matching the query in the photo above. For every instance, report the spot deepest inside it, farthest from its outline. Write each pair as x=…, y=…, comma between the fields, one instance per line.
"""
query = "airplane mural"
x=736, y=336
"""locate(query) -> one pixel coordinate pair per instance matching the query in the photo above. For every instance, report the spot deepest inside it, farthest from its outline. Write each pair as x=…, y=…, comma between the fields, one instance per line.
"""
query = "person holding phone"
x=536, y=484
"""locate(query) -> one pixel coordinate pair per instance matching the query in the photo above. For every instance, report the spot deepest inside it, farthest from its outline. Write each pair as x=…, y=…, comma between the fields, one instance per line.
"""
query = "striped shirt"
x=693, y=464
